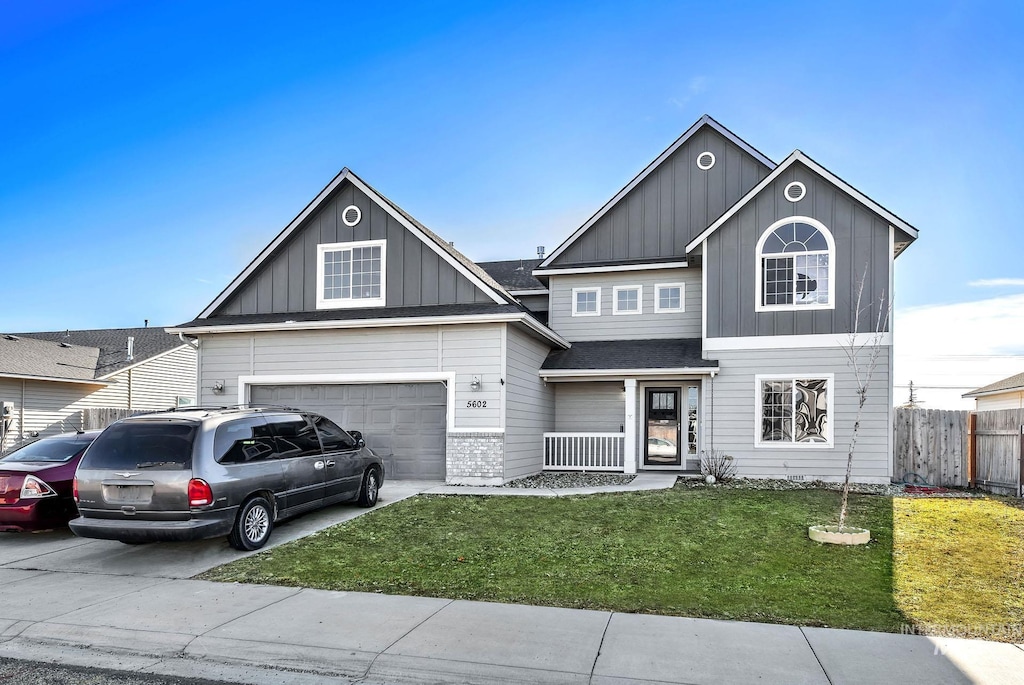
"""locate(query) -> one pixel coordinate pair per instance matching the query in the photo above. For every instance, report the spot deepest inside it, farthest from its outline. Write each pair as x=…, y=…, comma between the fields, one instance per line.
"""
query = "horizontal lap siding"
x=598, y=407
x=530, y=404
x=157, y=384
x=609, y=326
x=52, y=408
x=733, y=428
x=465, y=350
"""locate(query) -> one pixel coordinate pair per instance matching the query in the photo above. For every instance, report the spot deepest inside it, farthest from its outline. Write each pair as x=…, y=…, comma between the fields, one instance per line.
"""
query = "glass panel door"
x=663, y=428
x=692, y=448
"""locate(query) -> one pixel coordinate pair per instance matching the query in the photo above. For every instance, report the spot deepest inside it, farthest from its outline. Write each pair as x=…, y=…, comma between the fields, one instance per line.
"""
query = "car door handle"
x=318, y=465
x=330, y=462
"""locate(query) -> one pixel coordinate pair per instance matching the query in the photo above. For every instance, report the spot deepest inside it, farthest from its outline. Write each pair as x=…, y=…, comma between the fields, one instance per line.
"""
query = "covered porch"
x=628, y=406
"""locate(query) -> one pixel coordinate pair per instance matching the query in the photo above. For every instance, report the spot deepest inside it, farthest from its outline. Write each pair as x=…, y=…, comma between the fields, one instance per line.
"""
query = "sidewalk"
x=265, y=634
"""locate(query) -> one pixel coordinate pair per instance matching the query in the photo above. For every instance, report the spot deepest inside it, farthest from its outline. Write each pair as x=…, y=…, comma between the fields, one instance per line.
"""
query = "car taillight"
x=199, y=493
x=74, y=488
x=33, y=488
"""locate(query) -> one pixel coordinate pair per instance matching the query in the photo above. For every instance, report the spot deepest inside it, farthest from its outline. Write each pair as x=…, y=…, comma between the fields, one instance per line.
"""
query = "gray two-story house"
x=705, y=306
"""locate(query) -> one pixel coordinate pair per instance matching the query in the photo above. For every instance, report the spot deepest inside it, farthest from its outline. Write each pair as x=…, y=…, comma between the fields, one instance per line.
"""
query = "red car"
x=35, y=482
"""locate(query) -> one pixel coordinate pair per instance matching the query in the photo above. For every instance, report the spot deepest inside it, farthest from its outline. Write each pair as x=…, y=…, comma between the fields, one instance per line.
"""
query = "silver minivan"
x=205, y=472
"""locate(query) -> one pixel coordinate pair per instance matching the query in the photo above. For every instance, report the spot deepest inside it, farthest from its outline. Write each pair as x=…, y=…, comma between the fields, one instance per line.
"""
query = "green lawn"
x=721, y=553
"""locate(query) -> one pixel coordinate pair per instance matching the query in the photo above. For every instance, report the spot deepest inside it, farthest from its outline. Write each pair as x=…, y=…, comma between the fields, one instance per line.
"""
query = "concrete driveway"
x=60, y=550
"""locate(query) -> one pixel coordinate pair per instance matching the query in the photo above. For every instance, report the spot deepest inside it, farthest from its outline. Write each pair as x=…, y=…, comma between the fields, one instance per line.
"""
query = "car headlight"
x=33, y=488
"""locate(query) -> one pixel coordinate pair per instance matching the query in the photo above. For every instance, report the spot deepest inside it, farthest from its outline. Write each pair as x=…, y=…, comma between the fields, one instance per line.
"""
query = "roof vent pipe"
x=540, y=252
x=131, y=348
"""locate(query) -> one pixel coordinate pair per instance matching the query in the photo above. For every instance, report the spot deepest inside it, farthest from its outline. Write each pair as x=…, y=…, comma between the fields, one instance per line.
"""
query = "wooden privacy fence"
x=930, y=445
x=95, y=418
x=960, y=448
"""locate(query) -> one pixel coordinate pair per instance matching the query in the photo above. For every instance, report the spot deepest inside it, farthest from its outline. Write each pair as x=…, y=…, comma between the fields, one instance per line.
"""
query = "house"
x=49, y=381
x=705, y=306
x=1005, y=394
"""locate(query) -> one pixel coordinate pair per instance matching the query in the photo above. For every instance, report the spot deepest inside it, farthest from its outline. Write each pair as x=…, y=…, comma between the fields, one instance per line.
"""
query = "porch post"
x=629, y=427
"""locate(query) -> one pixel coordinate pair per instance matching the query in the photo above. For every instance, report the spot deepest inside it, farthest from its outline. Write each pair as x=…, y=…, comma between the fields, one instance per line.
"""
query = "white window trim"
x=658, y=309
x=575, y=291
x=759, y=268
x=351, y=303
x=639, y=300
x=830, y=378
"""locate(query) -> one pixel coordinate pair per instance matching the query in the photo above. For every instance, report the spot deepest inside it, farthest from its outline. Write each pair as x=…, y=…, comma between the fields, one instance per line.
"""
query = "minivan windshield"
x=49, y=449
x=162, y=446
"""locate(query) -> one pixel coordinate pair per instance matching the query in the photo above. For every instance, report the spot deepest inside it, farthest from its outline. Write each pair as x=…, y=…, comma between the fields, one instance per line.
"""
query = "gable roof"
x=515, y=275
x=81, y=355
x=794, y=157
x=1015, y=382
x=689, y=133
x=443, y=249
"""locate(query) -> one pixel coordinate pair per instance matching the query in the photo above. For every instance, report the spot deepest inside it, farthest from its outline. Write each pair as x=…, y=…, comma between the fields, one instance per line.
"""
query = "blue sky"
x=151, y=149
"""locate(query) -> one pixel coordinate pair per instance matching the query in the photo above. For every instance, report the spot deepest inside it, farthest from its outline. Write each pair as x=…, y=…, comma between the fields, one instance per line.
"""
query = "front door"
x=663, y=428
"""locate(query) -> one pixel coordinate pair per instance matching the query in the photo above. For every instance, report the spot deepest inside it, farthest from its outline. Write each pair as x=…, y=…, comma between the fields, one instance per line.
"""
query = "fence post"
x=1020, y=470
x=972, y=449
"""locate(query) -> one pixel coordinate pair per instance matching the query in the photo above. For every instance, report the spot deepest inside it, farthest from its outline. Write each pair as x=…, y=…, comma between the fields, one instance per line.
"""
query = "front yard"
x=711, y=552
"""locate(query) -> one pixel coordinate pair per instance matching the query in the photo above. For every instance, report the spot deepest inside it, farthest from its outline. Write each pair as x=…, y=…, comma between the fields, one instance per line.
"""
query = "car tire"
x=253, y=524
x=370, y=488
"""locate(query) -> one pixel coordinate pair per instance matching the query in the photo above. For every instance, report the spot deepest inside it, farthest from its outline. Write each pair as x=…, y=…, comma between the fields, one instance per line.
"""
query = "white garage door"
x=402, y=422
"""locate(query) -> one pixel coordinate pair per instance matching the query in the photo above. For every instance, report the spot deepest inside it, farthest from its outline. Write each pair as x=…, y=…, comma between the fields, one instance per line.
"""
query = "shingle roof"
x=629, y=354
x=1015, y=382
x=22, y=356
x=355, y=314
x=514, y=274
x=110, y=346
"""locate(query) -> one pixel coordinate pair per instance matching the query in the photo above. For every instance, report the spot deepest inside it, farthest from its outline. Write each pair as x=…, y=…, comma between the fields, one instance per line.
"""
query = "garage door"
x=402, y=422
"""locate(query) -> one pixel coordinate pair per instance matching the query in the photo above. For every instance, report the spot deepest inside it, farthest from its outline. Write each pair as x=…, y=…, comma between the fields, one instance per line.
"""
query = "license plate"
x=126, y=493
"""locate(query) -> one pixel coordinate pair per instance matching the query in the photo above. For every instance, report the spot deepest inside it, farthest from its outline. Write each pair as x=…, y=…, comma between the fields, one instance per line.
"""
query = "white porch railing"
x=584, y=451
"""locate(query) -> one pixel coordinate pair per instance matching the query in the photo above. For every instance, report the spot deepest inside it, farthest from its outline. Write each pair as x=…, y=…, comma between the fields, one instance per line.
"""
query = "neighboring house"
x=705, y=306
x=47, y=380
x=1005, y=394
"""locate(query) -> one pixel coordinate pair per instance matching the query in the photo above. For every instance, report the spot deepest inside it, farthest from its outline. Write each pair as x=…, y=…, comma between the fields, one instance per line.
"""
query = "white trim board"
x=646, y=266
x=798, y=156
x=524, y=319
x=621, y=374
x=54, y=379
x=689, y=133
x=345, y=174
x=783, y=342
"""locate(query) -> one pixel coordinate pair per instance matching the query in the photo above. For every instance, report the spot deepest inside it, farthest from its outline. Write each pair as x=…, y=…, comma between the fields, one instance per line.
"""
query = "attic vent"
x=705, y=160
x=351, y=215
x=795, y=191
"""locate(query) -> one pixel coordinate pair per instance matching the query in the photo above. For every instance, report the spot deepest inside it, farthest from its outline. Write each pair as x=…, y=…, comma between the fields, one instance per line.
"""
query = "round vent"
x=705, y=160
x=795, y=191
x=351, y=215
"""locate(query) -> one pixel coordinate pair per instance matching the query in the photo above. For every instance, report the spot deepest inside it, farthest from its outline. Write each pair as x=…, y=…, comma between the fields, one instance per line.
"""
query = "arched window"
x=796, y=268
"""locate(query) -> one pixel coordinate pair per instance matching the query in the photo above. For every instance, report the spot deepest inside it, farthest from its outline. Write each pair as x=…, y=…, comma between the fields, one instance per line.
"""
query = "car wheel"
x=371, y=488
x=253, y=525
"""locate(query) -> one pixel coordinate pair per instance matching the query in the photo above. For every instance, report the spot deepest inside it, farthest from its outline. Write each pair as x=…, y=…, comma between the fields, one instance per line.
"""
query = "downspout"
x=21, y=413
x=129, y=389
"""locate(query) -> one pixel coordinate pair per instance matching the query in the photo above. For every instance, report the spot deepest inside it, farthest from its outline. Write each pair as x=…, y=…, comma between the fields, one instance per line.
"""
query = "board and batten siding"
x=730, y=261
x=670, y=207
x=529, y=402
x=415, y=273
x=590, y=407
x=609, y=326
x=733, y=411
x=467, y=350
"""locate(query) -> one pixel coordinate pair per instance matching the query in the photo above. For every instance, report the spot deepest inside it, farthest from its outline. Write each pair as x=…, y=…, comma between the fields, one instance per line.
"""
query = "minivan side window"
x=334, y=439
x=296, y=436
x=243, y=441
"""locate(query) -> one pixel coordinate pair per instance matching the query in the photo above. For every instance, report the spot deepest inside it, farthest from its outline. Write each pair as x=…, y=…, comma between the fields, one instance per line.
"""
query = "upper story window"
x=668, y=297
x=351, y=274
x=794, y=257
x=586, y=302
x=627, y=299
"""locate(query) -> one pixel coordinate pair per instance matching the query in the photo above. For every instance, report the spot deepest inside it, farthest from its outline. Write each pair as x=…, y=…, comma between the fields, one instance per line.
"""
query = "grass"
x=708, y=552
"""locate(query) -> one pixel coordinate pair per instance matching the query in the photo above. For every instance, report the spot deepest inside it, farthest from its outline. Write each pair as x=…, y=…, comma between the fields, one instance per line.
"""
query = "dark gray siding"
x=861, y=239
x=670, y=207
x=416, y=275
